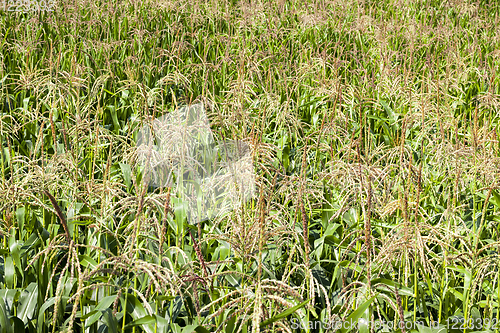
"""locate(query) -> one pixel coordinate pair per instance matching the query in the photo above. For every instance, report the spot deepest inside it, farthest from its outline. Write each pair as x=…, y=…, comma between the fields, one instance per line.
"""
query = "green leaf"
x=32, y=241
x=9, y=272
x=4, y=319
x=151, y=320
x=230, y=325
x=380, y=283
x=9, y=296
x=495, y=199
x=161, y=324
x=113, y=112
x=353, y=317
x=136, y=310
x=284, y=314
x=28, y=302
x=467, y=277
x=103, y=305
x=18, y=325
x=20, y=214
x=110, y=321
x=200, y=329
x=86, y=261
x=15, y=252
x=45, y=306
x=126, y=171
x=146, y=320
x=350, y=265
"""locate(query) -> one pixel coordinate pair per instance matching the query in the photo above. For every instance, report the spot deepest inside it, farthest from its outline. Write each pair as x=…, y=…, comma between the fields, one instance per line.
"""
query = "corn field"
x=370, y=128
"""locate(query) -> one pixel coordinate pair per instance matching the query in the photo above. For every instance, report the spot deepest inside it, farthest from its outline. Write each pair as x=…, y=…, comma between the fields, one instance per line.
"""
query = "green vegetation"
x=374, y=132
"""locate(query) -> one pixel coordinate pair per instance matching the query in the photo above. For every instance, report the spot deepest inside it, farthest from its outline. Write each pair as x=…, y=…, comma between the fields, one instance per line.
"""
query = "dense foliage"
x=373, y=127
